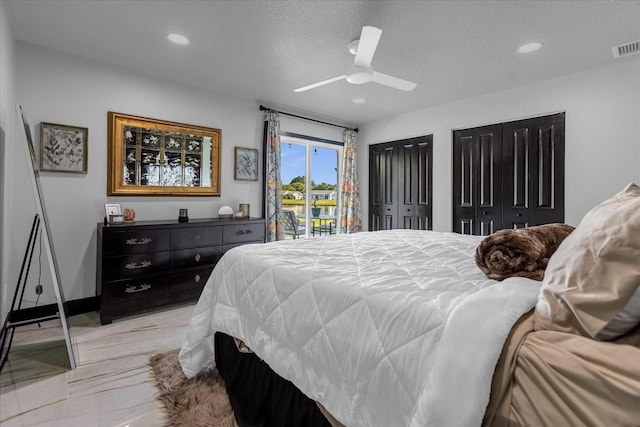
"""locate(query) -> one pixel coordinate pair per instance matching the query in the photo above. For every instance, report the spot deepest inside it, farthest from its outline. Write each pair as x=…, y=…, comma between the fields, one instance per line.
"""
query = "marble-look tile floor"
x=112, y=385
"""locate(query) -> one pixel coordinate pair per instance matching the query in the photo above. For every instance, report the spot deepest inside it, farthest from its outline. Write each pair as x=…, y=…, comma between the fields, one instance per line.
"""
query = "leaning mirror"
x=148, y=157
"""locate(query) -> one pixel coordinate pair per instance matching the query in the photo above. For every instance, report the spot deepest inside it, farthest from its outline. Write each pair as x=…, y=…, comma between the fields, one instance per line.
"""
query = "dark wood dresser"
x=152, y=263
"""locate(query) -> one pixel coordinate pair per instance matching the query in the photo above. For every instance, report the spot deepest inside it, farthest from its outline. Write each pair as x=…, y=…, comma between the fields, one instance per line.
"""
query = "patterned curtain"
x=350, y=218
x=273, y=184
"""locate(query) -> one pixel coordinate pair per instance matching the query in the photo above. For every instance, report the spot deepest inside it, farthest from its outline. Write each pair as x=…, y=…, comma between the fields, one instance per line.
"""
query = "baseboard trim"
x=74, y=307
x=84, y=305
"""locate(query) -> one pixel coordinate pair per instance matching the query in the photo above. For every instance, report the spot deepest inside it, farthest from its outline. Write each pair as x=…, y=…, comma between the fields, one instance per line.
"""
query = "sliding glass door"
x=310, y=171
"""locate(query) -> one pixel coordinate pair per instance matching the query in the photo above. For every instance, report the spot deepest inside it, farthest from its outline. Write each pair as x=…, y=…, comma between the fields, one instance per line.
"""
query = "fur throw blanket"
x=522, y=252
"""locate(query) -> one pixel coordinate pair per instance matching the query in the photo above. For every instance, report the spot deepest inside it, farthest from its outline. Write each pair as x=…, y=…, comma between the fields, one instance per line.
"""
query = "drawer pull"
x=135, y=265
x=135, y=241
x=196, y=278
x=246, y=231
x=197, y=257
x=132, y=289
x=198, y=236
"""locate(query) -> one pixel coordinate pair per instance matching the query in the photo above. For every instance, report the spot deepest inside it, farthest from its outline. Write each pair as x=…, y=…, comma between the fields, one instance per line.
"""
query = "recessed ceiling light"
x=529, y=47
x=178, y=39
x=358, y=100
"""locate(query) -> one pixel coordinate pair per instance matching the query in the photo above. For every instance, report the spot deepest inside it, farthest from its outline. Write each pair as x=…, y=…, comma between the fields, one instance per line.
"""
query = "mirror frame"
x=116, y=153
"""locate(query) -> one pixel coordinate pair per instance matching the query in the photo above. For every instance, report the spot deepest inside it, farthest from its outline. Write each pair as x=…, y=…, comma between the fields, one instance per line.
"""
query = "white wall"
x=59, y=88
x=602, y=140
x=7, y=128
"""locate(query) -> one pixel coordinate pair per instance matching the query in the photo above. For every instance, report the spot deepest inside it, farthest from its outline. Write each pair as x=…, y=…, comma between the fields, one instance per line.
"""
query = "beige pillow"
x=591, y=286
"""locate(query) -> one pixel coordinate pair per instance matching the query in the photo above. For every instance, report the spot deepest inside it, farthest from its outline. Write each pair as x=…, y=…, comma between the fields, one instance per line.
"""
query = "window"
x=314, y=200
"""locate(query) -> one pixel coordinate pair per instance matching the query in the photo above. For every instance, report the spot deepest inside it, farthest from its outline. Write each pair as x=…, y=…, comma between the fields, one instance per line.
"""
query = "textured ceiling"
x=262, y=50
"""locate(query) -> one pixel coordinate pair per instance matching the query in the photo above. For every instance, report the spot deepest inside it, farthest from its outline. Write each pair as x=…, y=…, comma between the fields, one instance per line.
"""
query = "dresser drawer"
x=135, y=265
x=191, y=279
x=186, y=258
x=190, y=237
x=134, y=241
x=239, y=233
x=144, y=287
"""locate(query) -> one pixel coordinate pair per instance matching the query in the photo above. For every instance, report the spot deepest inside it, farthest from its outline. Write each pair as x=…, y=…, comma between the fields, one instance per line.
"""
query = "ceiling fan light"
x=359, y=78
x=359, y=75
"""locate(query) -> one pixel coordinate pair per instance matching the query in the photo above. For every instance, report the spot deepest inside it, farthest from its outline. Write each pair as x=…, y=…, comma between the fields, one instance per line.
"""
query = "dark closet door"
x=414, y=183
x=533, y=171
x=508, y=175
x=400, y=184
x=477, y=180
x=383, y=209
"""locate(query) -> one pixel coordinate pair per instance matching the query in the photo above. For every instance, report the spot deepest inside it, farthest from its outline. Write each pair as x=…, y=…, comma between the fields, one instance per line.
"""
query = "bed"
x=401, y=328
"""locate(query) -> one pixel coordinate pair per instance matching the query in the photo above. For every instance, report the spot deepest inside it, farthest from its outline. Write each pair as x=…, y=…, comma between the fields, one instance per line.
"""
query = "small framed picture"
x=112, y=209
x=245, y=164
x=63, y=148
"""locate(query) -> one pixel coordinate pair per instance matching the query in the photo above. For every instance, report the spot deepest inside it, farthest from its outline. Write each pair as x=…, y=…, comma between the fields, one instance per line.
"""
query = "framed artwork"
x=245, y=164
x=112, y=209
x=63, y=148
x=152, y=157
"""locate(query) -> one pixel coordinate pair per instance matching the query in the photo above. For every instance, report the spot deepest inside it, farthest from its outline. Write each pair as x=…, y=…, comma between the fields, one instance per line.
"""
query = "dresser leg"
x=105, y=319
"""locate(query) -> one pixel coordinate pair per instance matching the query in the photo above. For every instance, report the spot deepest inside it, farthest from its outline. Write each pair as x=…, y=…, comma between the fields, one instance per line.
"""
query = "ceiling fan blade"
x=322, y=83
x=394, y=82
x=367, y=45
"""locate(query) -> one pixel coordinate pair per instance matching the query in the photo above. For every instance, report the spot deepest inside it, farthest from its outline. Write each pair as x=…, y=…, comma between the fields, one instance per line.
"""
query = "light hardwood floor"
x=112, y=385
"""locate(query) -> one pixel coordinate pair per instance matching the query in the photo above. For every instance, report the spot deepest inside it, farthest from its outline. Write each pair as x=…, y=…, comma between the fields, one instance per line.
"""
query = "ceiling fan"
x=361, y=72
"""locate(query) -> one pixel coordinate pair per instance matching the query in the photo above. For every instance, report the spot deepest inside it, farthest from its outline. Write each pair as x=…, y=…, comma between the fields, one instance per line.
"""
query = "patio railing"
x=323, y=224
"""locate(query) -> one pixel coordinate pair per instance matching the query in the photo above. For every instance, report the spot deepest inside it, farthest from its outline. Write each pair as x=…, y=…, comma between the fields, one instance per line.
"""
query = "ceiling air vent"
x=626, y=49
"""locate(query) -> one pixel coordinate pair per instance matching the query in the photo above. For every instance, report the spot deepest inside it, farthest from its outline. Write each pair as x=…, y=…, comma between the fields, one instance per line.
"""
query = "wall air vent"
x=626, y=49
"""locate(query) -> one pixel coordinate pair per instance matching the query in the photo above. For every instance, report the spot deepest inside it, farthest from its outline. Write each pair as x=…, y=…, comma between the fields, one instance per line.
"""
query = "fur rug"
x=197, y=402
x=522, y=252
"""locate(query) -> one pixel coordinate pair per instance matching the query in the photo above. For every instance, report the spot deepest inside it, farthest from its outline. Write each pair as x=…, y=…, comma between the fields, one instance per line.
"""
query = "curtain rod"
x=263, y=108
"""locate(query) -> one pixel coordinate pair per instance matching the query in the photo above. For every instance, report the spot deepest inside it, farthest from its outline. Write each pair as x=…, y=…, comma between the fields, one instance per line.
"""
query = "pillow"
x=591, y=285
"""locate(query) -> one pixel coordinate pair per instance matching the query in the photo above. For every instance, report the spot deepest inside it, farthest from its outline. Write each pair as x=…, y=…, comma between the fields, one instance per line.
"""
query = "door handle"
x=518, y=214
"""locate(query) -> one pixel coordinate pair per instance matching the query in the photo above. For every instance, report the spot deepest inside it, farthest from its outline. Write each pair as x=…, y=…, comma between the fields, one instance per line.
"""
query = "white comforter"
x=389, y=328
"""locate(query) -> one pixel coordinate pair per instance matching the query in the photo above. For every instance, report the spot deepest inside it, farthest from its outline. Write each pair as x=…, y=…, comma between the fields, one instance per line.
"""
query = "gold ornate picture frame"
x=150, y=157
